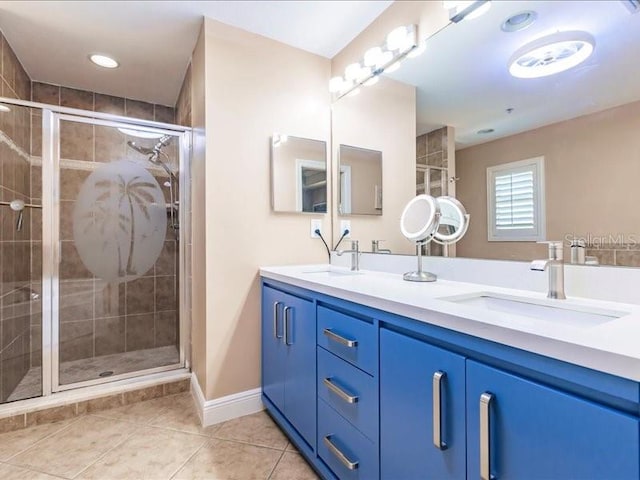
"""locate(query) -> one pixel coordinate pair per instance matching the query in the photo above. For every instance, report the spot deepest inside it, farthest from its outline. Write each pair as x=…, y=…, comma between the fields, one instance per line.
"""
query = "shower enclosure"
x=93, y=248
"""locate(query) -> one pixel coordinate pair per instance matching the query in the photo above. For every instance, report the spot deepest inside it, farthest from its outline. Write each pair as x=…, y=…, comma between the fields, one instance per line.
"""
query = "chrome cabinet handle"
x=275, y=319
x=340, y=339
x=485, y=436
x=339, y=392
x=286, y=325
x=438, y=377
x=339, y=455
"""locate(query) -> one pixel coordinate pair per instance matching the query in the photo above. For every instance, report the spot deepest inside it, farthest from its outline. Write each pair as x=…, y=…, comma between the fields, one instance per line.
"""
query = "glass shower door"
x=20, y=254
x=118, y=232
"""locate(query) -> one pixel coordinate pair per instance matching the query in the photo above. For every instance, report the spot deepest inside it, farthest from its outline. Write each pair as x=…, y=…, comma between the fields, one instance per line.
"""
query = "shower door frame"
x=51, y=255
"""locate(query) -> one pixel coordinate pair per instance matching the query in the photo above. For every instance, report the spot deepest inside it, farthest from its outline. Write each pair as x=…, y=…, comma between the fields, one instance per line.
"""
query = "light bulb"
x=397, y=38
x=335, y=84
x=385, y=58
x=352, y=71
x=372, y=56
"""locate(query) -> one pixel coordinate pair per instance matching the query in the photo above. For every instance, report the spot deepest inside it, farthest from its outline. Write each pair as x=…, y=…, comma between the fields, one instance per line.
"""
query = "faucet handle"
x=555, y=249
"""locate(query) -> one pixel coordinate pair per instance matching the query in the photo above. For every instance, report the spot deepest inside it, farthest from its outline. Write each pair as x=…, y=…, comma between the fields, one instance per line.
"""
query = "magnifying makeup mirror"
x=443, y=220
x=454, y=221
x=419, y=223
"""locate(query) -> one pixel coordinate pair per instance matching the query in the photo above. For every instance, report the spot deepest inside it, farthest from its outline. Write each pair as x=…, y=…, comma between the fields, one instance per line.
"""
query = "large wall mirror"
x=298, y=174
x=360, y=181
x=532, y=156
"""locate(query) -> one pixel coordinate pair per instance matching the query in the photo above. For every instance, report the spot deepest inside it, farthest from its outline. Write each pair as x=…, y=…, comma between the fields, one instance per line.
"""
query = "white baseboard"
x=225, y=408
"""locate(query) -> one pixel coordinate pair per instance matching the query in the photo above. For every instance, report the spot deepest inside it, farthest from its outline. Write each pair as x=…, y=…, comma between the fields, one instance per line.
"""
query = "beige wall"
x=199, y=311
x=254, y=87
x=592, y=168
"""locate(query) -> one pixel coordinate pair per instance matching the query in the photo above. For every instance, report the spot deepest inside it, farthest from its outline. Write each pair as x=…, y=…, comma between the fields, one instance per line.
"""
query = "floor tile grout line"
x=74, y=420
x=276, y=465
x=29, y=469
x=100, y=457
x=204, y=444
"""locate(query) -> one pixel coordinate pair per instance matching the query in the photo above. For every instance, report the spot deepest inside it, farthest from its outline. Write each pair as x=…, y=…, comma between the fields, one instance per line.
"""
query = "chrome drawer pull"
x=485, y=436
x=341, y=340
x=286, y=326
x=339, y=392
x=438, y=377
x=339, y=455
x=275, y=319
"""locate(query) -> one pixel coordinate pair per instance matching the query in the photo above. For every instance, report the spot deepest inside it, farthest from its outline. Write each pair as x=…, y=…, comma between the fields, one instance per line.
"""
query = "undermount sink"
x=556, y=311
x=333, y=272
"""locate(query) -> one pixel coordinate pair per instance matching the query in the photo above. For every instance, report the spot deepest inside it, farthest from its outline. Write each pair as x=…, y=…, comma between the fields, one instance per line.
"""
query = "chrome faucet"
x=555, y=265
x=355, y=255
x=375, y=247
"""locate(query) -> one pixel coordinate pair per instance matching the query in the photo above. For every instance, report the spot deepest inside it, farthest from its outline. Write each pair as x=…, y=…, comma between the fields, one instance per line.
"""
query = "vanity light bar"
x=632, y=5
x=460, y=10
x=399, y=43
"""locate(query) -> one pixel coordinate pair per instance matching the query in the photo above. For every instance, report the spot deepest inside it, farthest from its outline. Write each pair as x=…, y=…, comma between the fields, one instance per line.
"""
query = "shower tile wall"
x=15, y=258
x=99, y=318
x=432, y=156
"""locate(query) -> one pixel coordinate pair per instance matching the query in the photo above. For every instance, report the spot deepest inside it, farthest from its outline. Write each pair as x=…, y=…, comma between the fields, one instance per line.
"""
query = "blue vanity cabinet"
x=289, y=358
x=422, y=410
x=519, y=429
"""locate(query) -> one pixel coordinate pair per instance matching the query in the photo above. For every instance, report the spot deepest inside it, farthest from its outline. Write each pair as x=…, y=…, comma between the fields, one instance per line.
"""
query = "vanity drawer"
x=350, y=391
x=349, y=338
x=346, y=451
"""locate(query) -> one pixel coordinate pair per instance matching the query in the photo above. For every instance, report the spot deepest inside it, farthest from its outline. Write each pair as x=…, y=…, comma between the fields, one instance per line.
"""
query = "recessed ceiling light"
x=519, y=21
x=103, y=61
x=485, y=131
x=4, y=109
x=552, y=54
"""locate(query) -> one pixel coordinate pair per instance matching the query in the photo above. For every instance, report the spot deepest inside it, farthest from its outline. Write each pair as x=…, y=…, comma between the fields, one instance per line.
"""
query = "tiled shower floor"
x=91, y=368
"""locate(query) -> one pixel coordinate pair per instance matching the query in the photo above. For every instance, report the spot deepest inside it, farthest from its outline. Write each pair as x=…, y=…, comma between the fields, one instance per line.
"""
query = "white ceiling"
x=153, y=40
x=462, y=79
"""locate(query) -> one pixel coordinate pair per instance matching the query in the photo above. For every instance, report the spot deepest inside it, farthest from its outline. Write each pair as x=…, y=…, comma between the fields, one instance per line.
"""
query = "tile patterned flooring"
x=156, y=439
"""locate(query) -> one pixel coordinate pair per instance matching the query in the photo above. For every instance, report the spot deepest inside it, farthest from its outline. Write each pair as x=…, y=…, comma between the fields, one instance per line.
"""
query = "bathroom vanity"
x=372, y=377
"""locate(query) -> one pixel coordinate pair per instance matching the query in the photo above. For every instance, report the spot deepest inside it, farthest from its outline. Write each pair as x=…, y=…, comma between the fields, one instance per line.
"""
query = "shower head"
x=139, y=149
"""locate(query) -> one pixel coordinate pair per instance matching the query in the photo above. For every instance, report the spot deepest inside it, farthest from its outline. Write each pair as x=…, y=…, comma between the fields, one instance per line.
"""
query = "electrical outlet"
x=316, y=224
x=345, y=225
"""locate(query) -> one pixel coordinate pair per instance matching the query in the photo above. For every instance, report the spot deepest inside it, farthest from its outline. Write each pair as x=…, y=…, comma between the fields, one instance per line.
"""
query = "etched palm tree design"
x=119, y=221
x=135, y=192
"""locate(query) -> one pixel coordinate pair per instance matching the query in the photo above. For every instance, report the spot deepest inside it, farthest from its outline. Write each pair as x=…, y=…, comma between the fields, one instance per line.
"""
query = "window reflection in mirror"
x=360, y=181
x=298, y=174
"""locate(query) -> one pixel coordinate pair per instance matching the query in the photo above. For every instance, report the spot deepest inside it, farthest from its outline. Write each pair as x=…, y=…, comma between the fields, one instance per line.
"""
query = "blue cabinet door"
x=407, y=417
x=299, y=332
x=273, y=347
x=523, y=430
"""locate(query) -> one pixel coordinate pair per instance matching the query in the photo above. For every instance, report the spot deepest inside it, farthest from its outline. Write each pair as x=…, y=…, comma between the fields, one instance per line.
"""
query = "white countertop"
x=612, y=347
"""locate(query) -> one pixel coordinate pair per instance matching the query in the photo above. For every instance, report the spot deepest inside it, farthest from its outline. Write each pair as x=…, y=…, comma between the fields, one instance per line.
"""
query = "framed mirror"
x=360, y=181
x=298, y=174
x=557, y=153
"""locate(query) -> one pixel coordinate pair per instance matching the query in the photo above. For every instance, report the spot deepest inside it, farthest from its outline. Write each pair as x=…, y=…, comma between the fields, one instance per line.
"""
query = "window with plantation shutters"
x=515, y=201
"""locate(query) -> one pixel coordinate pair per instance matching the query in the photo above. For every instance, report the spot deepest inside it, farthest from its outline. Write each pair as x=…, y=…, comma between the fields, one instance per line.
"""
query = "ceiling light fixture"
x=552, y=54
x=460, y=10
x=399, y=43
x=103, y=61
x=4, y=108
x=519, y=21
